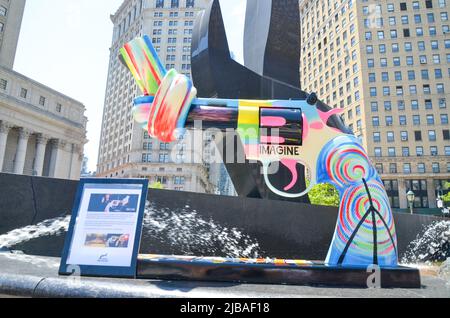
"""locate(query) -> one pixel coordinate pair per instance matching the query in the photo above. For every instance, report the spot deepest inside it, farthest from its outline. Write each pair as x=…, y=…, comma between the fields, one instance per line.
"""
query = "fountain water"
x=171, y=230
x=432, y=245
x=184, y=229
x=52, y=227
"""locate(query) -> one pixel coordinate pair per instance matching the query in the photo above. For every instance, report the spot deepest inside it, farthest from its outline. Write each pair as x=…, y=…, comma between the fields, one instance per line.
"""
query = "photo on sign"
x=110, y=203
x=107, y=240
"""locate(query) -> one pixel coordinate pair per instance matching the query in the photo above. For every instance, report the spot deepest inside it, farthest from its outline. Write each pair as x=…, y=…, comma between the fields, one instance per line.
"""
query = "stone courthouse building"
x=42, y=132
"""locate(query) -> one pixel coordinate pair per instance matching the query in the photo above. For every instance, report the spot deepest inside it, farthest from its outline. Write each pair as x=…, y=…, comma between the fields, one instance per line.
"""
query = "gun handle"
x=365, y=231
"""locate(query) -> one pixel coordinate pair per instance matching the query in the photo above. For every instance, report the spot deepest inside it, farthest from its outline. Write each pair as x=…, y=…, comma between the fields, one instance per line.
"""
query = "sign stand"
x=105, y=230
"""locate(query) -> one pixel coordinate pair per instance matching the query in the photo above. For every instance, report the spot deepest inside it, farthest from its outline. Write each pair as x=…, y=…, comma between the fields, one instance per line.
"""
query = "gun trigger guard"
x=281, y=193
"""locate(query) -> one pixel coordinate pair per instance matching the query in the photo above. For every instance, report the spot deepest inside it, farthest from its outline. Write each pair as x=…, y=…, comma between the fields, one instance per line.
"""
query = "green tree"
x=156, y=185
x=446, y=198
x=324, y=194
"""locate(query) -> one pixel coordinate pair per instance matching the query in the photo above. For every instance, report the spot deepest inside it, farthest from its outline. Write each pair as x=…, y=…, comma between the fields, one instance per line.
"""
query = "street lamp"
x=411, y=198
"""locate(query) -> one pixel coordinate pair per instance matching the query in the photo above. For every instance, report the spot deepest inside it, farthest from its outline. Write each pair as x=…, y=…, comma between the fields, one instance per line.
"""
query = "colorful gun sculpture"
x=365, y=232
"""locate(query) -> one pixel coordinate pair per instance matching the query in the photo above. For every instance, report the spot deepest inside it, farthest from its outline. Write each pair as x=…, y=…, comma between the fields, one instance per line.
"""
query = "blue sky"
x=65, y=44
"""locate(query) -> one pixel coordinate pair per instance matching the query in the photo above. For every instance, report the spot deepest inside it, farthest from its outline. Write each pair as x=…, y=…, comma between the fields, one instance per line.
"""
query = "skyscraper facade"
x=386, y=64
x=126, y=150
x=11, y=14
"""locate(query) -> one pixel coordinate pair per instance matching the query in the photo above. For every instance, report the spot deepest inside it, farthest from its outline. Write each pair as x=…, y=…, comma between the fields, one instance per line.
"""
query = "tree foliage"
x=156, y=185
x=446, y=198
x=324, y=194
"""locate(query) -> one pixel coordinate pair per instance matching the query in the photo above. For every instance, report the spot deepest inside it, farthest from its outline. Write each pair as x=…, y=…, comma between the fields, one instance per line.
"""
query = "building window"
x=42, y=101
x=436, y=167
x=423, y=59
x=376, y=137
x=389, y=121
x=58, y=107
x=404, y=135
x=374, y=107
x=407, y=168
x=164, y=146
x=23, y=92
x=147, y=158
x=418, y=135
x=434, y=151
x=395, y=48
x=390, y=136
x=159, y=4
x=163, y=158
x=190, y=3
x=421, y=168
x=3, y=84
x=432, y=135
x=446, y=134
x=419, y=187
x=392, y=190
x=162, y=180
x=417, y=18
x=392, y=168
x=419, y=151
x=405, y=151
x=402, y=120
x=147, y=146
x=391, y=152
x=379, y=167
x=378, y=152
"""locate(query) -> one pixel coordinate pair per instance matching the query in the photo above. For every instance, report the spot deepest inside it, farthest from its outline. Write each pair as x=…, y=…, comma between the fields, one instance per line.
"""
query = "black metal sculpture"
x=271, y=71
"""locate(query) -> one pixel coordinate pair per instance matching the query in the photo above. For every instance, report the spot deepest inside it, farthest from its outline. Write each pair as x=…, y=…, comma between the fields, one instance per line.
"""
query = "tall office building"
x=11, y=14
x=387, y=65
x=126, y=150
x=42, y=132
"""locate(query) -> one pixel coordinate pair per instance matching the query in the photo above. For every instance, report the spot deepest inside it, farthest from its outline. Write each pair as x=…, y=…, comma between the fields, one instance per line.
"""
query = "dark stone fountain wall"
x=283, y=229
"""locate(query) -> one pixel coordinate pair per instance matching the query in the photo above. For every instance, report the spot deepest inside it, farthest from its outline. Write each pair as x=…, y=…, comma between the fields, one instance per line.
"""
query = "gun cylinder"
x=218, y=117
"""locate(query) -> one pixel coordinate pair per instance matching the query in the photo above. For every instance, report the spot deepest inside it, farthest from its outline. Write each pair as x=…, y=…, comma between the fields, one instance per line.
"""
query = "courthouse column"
x=4, y=131
x=41, y=145
x=19, y=162
x=56, y=158
x=75, y=168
